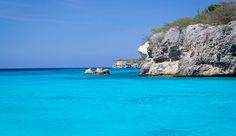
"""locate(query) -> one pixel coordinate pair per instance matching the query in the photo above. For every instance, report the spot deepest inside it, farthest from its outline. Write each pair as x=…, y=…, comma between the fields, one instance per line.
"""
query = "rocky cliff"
x=196, y=50
x=128, y=63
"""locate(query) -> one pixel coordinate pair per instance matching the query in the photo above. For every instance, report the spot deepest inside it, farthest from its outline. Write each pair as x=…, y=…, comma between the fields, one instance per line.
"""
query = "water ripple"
x=167, y=132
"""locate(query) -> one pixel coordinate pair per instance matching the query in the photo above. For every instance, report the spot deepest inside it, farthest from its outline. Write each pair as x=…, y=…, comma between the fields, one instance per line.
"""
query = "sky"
x=82, y=33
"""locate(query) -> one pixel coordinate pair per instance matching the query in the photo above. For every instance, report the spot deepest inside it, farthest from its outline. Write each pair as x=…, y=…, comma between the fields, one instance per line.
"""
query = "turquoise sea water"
x=64, y=102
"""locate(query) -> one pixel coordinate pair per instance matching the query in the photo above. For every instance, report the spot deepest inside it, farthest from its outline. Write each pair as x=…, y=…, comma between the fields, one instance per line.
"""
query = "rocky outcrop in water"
x=101, y=71
x=129, y=63
x=88, y=71
x=197, y=50
x=98, y=71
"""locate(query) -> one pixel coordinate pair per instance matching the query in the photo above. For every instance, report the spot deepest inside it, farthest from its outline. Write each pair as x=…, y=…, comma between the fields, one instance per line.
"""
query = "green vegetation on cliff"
x=215, y=14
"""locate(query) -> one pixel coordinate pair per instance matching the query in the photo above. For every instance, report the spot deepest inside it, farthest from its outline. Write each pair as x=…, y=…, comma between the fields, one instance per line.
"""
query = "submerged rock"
x=197, y=50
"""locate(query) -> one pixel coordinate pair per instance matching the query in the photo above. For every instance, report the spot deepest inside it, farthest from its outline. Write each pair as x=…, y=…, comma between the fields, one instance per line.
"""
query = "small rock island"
x=98, y=71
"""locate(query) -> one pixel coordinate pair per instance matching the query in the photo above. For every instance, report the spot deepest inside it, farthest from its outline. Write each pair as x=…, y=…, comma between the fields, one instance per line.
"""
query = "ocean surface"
x=65, y=102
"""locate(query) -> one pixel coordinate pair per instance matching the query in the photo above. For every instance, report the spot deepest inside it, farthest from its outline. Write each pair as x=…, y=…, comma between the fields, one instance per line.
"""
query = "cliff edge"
x=196, y=50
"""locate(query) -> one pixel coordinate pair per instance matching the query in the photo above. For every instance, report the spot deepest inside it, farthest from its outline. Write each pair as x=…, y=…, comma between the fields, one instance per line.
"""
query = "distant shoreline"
x=12, y=69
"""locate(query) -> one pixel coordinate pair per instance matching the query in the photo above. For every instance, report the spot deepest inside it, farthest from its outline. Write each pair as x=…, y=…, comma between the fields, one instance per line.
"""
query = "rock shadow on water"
x=167, y=132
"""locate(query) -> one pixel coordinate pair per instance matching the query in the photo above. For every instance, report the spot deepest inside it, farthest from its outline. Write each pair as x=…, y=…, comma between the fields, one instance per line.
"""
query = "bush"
x=222, y=16
x=183, y=22
x=212, y=7
x=155, y=30
x=215, y=14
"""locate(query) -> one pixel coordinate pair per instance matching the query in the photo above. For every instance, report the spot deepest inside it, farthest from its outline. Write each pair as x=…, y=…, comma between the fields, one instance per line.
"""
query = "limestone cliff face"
x=128, y=63
x=197, y=50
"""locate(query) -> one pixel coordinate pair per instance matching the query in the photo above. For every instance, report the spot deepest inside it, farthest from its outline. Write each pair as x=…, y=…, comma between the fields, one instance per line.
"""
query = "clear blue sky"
x=81, y=33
